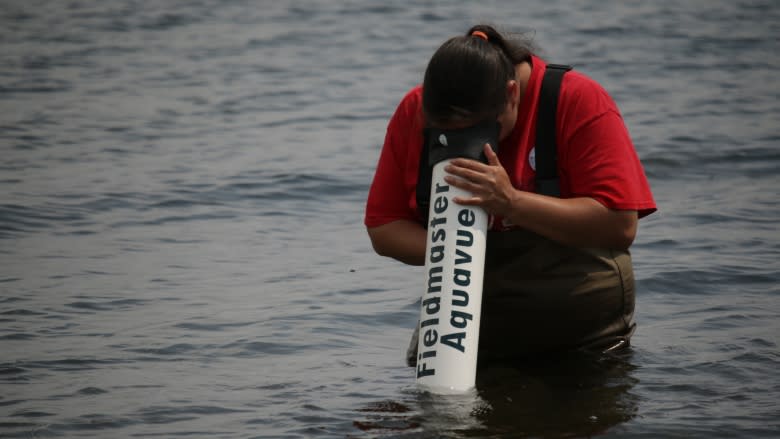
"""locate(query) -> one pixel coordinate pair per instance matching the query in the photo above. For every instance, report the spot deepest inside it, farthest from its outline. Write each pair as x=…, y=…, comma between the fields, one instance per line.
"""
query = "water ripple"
x=180, y=221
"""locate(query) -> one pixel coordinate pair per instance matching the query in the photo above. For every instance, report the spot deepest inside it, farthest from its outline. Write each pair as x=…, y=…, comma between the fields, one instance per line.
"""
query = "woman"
x=558, y=274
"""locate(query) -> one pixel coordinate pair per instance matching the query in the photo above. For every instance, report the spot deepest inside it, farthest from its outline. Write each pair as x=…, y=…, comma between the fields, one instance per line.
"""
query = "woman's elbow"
x=626, y=230
x=377, y=244
x=626, y=239
x=379, y=241
x=400, y=240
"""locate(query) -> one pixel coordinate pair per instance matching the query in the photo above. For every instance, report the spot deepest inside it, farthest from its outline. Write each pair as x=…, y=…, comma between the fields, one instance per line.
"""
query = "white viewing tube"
x=452, y=296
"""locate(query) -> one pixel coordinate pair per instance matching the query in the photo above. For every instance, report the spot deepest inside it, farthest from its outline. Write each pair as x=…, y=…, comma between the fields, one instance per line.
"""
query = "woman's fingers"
x=461, y=183
x=465, y=173
x=467, y=164
x=474, y=164
x=491, y=156
x=473, y=201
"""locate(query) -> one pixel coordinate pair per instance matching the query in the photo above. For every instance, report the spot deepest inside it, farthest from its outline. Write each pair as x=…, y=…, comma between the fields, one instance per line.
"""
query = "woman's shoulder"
x=412, y=99
x=409, y=110
x=579, y=89
x=576, y=88
x=582, y=102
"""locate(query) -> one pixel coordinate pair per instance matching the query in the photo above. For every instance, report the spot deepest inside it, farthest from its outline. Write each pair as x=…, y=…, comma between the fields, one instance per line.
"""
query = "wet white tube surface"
x=452, y=294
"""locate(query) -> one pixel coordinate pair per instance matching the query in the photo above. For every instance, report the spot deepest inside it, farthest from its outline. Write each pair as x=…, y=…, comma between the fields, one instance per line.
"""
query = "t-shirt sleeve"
x=388, y=197
x=598, y=157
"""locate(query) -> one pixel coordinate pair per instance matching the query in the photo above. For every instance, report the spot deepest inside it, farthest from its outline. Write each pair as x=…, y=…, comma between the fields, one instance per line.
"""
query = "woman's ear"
x=512, y=93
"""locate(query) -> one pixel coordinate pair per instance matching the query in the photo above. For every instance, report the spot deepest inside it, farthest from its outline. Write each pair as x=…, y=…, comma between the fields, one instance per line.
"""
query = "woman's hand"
x=488, y=183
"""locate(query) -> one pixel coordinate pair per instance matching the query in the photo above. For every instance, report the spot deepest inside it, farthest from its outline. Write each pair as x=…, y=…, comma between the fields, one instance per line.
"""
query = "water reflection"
x=573, y=396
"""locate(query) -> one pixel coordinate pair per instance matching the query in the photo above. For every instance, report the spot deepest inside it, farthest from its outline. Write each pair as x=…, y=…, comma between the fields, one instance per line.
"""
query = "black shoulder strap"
x=424, y=177
x=546, y=144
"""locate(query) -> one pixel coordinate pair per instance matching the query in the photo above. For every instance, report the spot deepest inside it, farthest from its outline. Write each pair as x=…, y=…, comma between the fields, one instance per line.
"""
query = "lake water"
x=182, y=252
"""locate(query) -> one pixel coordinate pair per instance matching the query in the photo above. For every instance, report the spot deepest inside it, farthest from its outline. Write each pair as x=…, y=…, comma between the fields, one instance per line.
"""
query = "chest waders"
x=541, y=297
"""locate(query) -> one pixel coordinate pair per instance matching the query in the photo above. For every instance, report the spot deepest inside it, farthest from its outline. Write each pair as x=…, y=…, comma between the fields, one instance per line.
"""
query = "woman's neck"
x=523, y=74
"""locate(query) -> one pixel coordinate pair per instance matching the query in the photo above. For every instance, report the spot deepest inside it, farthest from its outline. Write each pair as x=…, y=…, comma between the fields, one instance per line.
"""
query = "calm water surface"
x=181, y=241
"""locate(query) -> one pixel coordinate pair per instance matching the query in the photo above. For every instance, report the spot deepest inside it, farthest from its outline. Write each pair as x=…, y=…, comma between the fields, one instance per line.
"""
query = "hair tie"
x=479, y=34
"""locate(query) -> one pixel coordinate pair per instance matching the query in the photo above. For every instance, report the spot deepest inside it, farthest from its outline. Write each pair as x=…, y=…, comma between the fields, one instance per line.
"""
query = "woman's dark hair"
x=465, y=80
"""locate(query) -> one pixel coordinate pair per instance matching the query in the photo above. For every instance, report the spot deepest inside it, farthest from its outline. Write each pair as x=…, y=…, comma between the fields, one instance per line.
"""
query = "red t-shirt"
x=596, y=157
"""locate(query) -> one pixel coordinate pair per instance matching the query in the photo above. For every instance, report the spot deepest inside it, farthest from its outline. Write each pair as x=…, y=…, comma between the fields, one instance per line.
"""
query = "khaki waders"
x=543, y=298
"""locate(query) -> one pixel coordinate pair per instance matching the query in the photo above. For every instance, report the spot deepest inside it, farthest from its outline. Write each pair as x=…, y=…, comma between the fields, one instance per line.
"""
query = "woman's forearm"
x=576, y=222
x=402, y=240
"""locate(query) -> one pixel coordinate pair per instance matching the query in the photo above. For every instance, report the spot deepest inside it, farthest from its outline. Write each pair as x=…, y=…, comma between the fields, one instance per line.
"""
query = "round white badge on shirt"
x=532, y=158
